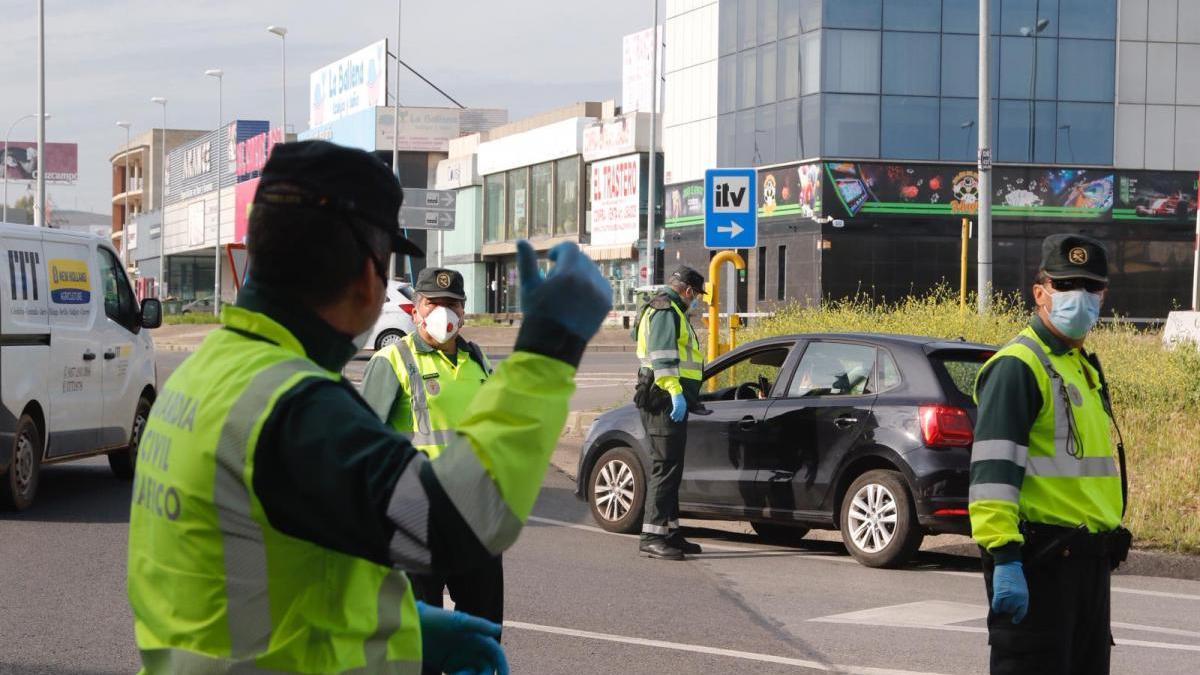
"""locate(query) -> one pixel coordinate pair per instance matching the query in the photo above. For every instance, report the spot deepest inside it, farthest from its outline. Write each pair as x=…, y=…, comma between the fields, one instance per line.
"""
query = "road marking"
x=714, y=651
x=707, y=546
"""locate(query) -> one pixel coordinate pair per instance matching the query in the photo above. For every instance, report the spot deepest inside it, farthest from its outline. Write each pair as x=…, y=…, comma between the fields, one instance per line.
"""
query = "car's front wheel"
x=617, y=491
x=878, y=520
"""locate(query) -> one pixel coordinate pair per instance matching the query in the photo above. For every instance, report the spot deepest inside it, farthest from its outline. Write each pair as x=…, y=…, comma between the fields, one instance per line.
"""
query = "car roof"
x=929, y=344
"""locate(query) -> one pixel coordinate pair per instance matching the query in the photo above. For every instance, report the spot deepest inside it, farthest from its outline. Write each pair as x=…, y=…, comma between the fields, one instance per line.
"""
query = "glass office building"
x=865, y=111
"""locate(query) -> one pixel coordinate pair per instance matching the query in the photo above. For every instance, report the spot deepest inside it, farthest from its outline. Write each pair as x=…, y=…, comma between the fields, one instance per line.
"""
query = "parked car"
x=867, y=434
x=198, y=306
x=77, y=374
x=396, y=321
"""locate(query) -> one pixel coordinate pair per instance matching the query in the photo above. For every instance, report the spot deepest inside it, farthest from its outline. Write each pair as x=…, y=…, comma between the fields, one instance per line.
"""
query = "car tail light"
x=945, y=426
x=952, y=512
x=408, y=308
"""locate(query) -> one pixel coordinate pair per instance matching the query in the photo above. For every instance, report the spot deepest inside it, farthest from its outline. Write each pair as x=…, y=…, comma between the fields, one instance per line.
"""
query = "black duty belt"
x=1047, y=543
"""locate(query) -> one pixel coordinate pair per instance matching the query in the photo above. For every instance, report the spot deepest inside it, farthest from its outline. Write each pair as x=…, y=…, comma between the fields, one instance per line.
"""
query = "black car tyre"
x=878, y=521
x=388, y=337
x=123, y=461
x=780, y=535
x=19, y=485
x=617, y=491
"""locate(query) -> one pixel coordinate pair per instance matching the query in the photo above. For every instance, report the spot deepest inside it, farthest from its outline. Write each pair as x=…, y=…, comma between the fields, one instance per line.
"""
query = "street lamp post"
x=4, y=217
x=125, y=210
x=281, y=31
x=39, y=207
x=396, y=127
x=162, y=200
x=985, y=161
x=1026, y=31
x=221, y=151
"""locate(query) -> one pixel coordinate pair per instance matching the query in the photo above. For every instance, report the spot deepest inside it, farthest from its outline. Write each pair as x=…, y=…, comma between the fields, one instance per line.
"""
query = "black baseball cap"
x=689, y=277
x=1074, y=256
x=440, y=282
x=323, y=175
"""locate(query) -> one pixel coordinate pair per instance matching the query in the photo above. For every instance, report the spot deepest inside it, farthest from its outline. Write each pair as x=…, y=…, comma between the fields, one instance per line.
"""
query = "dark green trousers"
x=668, y=441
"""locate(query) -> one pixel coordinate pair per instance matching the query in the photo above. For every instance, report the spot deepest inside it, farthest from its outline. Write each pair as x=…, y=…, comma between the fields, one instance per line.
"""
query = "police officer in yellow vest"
x=672, y=367
x=1047, y=496
x=422, y=386
x=274, y=515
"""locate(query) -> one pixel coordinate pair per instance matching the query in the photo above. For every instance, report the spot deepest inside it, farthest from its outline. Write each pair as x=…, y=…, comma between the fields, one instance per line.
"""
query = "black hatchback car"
x=865, y=433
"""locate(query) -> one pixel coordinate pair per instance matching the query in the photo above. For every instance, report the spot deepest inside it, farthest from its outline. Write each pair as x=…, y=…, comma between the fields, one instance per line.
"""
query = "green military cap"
x=1074, y=256
x=440, y=282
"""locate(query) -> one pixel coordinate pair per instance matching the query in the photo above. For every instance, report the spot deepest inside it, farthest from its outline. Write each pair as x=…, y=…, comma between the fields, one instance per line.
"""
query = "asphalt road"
x=580, y=600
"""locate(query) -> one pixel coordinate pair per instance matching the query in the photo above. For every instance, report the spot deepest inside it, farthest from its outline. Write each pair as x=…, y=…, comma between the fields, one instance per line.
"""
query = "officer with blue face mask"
x=1046, y=496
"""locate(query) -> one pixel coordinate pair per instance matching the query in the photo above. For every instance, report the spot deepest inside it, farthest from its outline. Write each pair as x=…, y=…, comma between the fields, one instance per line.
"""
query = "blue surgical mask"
x=1074, y=313
x=694, y=305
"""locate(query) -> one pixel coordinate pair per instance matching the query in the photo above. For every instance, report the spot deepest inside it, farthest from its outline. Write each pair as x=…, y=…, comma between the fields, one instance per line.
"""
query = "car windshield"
x=958, y=369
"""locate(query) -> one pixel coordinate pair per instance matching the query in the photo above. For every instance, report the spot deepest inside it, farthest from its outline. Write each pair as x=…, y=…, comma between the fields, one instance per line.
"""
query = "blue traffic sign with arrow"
x=730, y=208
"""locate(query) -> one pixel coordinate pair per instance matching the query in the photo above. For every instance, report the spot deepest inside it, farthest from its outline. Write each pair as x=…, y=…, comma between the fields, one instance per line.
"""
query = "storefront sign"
x=349, y=85
x=352, y=131
x=21, y=161
x=616, y=206
x=421, y=129
x=243, y=200
x=253, y=152
x=458, y=172
x=685, y=204
x=1157, y=196
x=637, y=61
x=610, y=138
x=790, y=191
x=192, y=168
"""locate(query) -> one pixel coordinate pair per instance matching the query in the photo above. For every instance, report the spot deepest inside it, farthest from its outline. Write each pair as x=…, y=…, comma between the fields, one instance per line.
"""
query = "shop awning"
x=619, y=252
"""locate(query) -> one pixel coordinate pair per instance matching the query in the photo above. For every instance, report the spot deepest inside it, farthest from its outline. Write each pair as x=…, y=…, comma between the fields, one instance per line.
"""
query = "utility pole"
x=396, y=128
x=985, y=160
x=39, y=207
x=653, y=169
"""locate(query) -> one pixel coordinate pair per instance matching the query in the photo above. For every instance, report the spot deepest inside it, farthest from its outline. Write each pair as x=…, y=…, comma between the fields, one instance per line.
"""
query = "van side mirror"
x=151, y=313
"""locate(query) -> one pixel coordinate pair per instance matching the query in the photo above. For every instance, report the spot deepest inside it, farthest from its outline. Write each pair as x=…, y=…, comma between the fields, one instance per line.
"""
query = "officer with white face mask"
x=421, y=386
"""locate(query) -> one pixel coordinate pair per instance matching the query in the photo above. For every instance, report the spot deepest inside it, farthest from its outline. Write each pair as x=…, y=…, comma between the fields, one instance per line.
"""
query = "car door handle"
x=110, y=355
x=845, y=422
x=89, y=356
x=747, y=423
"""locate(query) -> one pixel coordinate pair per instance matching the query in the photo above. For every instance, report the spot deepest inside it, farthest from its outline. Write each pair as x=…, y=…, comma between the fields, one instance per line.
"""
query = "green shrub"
x=189, y=319
x=1156, y=392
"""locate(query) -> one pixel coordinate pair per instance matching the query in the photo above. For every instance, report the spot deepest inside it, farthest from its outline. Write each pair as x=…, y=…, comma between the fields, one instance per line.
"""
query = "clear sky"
x=106, y=58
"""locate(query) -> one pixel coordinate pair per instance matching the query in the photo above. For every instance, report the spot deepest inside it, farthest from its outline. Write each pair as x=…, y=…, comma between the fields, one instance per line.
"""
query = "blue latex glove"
x=455, y=642
x=1010, y=593
x=678, y=407
x=574, y=295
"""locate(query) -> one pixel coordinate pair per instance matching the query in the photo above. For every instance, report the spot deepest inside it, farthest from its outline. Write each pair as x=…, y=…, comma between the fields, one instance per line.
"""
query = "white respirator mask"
x=441, y=324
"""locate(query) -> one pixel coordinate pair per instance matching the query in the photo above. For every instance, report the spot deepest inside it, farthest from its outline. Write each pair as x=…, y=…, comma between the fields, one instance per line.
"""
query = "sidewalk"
x=492, y=339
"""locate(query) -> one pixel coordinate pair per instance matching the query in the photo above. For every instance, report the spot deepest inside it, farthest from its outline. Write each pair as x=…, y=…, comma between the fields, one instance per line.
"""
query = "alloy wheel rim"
x=23, y=463
x=389, y=339
x=614, y=490
x=872, y=518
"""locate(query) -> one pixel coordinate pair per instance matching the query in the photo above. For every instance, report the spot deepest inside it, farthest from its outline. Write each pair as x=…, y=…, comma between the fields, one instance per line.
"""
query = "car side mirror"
x=151, y=313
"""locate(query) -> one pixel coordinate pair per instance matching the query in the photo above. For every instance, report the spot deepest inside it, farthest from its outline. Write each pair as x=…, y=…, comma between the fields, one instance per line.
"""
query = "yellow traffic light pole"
x=714, y=301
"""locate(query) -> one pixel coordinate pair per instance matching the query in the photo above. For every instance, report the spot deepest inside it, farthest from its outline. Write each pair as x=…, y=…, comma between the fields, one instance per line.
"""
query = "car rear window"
x=958, y=369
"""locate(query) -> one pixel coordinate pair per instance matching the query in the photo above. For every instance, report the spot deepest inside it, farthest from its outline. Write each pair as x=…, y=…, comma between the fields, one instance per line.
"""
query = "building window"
x=918, y=15
x=743, y=150
x=789, y=18
x=541, y=197
x=767, y=75
x=1096, y=58
x=764, y=136
x=747, y=78
x=566, y=194
x=910, y=64
x=960, y=64
x=493, y=187
x=810, y=64
x=726, y=139
x=762, y=273
x=1017, y=129
x=781, y=273
x=728, y=27
x=1085, y=133
x=959, y=136
x=909, y=127
x=853, y=14
x=851, y=61
x=810, y=15
x=1090, y=18
x=851, y=125
x=518, y=204
x=747, y=23
x=1017, y=77
x=810, y=126
x=788, y=76
x=768, y=21
x=727, y=84
x=787, y=129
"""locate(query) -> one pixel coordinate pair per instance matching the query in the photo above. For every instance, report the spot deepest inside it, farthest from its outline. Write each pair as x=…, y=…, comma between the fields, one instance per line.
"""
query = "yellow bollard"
x=714, y=302
x=962, y=284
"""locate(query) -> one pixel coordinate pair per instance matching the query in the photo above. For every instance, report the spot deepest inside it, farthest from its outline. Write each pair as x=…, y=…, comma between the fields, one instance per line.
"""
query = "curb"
x=578, y=423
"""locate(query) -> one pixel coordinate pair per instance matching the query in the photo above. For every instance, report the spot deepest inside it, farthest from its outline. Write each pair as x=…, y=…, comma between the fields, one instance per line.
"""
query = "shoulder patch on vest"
x=660, y=302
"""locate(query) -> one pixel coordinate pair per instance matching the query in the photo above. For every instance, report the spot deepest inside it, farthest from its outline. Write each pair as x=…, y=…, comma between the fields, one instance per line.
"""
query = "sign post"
x=730, y=209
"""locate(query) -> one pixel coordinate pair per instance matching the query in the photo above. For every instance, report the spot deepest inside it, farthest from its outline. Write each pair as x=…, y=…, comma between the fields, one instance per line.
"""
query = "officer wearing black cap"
x=275, y=519
x=1048, y=487
x=428, y=407
x=672, y=367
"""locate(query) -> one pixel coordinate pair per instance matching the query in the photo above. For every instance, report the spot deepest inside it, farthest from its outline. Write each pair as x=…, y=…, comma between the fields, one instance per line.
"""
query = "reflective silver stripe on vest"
x=416, y=384
x=646, y=363
x=994, y=491
x=666, y=372
x=408, y=510
x=389, y=610
x=476, y=496
x=690, y=365
x=1008, y=451
x=247, y=599
x=435, y=437
x=183, y=662
x=1070, y=467
x=664, y=354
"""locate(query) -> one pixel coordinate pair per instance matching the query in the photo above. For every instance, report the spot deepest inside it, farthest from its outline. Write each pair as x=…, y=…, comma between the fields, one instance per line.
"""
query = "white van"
x=77, y=371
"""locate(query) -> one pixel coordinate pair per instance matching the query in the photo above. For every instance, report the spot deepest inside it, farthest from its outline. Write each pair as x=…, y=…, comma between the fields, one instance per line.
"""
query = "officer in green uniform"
x=672, y=367
x=1046, y=496
x=422, y=386
x=274, y=515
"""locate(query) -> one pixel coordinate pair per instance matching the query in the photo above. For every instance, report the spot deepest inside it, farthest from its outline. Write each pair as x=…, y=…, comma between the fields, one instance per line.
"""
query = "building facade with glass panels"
x=1093, y=119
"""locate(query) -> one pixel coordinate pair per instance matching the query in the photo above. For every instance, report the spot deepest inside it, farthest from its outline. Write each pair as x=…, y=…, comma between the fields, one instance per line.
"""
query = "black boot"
x=661, y=550
x=684, y=545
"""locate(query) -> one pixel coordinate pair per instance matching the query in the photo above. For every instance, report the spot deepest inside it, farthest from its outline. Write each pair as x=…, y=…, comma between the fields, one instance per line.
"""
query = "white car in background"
x=396, y=321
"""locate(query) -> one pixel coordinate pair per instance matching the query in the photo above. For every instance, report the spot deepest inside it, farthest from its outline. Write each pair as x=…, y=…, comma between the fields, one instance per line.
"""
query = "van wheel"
x=20, y=483
x=122, y=462
x=878, y=520
x=388, y=337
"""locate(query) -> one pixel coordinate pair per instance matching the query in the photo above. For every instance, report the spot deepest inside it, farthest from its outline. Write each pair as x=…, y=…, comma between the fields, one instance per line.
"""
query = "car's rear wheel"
x=122, y=462
x=19, y=485
x=878, y=520
x=780, y=535
x=617, y=491
x=388, y=337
